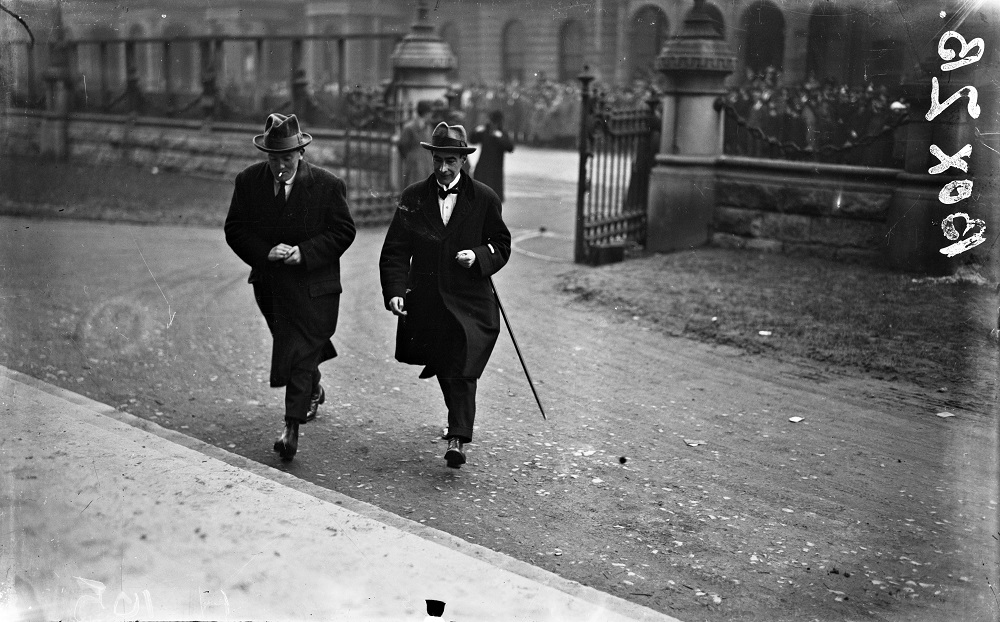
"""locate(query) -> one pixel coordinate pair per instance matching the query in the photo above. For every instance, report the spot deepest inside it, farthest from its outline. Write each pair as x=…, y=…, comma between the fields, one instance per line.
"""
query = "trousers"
x=304, y=377
x=460, y=398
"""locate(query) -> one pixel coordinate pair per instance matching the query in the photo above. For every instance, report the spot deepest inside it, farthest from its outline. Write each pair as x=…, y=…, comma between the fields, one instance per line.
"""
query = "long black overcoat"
x=306, y=297
x=419, y=255
x=489, y=167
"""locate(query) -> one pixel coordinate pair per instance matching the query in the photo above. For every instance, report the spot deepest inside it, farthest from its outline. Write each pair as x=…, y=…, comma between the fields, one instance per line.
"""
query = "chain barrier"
x=793, y=150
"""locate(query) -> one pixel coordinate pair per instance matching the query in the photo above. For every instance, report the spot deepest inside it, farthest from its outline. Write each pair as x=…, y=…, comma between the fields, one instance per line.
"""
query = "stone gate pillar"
x=420, y=64
x=682, y=184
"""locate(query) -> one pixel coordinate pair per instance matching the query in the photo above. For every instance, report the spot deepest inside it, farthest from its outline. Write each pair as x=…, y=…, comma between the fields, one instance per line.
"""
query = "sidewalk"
x=109, y=517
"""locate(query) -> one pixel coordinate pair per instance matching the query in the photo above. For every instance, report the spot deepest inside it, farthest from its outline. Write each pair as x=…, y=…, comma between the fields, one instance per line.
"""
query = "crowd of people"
x=766, y=117
x=543, y=112
x=814, y=116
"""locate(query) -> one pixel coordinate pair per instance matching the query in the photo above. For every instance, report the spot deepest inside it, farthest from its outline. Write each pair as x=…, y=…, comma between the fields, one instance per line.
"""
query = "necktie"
x=279, y=199
x=443, y=194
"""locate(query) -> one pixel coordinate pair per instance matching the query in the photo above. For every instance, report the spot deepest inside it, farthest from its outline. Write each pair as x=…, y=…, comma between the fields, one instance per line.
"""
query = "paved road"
x=758, y=523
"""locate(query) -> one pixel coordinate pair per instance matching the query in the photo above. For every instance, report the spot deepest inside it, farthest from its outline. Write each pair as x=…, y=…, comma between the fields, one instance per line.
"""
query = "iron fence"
x=237, y=79
x=227, y=78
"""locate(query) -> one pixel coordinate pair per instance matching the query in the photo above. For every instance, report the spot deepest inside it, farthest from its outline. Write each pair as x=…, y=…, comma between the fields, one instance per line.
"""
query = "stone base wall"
x=180, y=146
x=20, y=133
x=190, y=147
x=832, y=211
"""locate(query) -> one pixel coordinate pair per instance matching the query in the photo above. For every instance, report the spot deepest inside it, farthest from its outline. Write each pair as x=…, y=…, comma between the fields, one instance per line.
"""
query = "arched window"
x=649, y=30
x=840, y=48
x=763, y=37
x=451, y=36
x=570, y=50
x=825, y=45
x=512, y=52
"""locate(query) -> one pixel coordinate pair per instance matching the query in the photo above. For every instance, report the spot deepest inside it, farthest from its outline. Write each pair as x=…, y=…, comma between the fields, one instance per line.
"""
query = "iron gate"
x=617, y=149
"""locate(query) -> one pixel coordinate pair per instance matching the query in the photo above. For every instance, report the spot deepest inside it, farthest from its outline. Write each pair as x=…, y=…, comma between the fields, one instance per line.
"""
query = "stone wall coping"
x=686, y=160
x=870, y=173
x=927, y=179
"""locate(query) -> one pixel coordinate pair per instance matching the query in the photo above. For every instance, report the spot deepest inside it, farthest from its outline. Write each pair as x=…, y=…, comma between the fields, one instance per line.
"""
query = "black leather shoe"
x=455, y=456
x=317, y=399
x=288, y=443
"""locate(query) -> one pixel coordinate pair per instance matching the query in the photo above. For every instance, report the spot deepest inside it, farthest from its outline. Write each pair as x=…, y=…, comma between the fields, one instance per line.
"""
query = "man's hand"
x=279, y=252
x=465, y=258
x=396, y=305
x=294, y=256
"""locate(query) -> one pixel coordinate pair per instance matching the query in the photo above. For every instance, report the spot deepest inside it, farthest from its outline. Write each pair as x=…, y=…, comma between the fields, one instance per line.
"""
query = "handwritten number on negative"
x=964, y=59
x=950, y=232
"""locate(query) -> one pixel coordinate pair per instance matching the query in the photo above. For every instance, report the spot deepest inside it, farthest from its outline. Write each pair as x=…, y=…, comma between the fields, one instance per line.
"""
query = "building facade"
x=848, y=41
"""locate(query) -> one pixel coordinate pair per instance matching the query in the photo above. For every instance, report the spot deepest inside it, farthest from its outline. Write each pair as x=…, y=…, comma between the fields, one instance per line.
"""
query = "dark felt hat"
x=449, y=139
x=281, y=134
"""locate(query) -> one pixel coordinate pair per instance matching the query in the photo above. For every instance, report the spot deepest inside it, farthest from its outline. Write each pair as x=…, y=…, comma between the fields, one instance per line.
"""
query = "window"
x=649, y=31
x=512, y=51
x=764, y=37
x=570, y=50
x=451, y=36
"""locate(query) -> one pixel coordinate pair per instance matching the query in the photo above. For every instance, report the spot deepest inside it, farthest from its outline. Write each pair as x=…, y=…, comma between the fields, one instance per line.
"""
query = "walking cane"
x=516, y=348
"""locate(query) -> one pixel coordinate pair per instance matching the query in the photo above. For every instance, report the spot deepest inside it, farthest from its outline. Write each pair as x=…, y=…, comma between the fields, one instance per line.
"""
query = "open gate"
x=617, y=149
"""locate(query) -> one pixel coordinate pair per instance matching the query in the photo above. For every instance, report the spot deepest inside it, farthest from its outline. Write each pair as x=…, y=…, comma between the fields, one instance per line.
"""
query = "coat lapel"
x=463, y=206
x=430, y=207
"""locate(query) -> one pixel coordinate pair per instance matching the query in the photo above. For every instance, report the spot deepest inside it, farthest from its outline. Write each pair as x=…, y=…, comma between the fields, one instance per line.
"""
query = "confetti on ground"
x=694, y=443
x=796, y=419
x=944, y=415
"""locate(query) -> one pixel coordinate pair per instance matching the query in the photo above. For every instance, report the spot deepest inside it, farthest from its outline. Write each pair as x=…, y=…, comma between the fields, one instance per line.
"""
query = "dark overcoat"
x=418, y=263
x=489, y=167
x=306, y=297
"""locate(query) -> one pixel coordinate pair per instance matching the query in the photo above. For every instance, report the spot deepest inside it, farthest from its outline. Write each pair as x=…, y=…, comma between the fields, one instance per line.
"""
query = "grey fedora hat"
x=448, y=138
x=281, y=133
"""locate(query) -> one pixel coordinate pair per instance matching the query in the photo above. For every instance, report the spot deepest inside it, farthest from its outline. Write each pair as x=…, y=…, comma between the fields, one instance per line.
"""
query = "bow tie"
x=443, y=194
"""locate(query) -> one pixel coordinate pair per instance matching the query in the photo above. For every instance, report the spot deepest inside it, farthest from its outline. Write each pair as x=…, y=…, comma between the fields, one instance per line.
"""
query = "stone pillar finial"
x=421, y=63
x=422, y=12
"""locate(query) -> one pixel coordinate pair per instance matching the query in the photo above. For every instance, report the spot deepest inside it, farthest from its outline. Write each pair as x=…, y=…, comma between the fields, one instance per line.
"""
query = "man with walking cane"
x=446, y=239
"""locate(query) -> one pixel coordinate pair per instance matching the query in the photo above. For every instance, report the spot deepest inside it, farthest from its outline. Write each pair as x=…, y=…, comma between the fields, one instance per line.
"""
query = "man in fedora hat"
x=289, y=221
x=446, y=239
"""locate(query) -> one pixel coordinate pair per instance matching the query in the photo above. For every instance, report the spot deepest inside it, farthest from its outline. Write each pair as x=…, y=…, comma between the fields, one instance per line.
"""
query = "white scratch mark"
x=170, y=314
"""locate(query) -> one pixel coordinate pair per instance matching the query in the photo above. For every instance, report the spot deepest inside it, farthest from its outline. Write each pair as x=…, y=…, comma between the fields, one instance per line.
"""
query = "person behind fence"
x=495, y=143
x=445, y=241
x=290, y=222
x=416, y=166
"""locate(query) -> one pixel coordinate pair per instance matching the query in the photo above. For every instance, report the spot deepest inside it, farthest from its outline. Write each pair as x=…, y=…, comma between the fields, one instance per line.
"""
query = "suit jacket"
x=316, y=218
x=418, y=263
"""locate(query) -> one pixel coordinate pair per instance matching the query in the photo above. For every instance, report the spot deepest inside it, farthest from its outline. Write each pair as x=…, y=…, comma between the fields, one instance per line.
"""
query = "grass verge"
x=934, y=332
